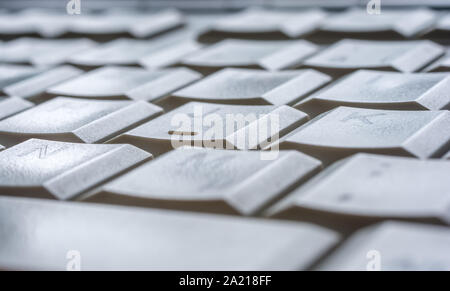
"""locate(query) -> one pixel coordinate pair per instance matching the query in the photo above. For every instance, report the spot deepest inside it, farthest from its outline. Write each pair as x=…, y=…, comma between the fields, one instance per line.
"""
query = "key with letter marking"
x=214, y=126
x=59, y=170
x=345, y=131
x=366, y=188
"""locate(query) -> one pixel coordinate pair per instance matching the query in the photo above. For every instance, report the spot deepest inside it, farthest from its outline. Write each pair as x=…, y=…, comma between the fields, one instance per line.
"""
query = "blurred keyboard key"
x=12, y=105
x=60, y=170
x=393, y=246
x=34, y=88
x=367, y=188
x=129, y=52
x=206, y=180
x=42, y=52
x=138, y=25
x=382, y=90
x=245, y=127
x=345, y=131
x=440, y=30
x=246, y=86
x=126, y=83
x=152, y=239
x=441, y=65
x=265, y=55
x=390, y=24
x=348, y=55
x=10, y=73
x=258, y=23
x=75, y=120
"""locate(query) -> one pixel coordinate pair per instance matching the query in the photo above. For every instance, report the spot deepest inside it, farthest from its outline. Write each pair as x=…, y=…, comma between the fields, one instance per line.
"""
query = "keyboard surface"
x=287, y=136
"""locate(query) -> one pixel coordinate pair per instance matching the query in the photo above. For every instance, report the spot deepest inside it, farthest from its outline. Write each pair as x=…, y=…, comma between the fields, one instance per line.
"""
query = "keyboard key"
x=266, y=24
x=60, y=170
x=246, y=86
x=195, y=179
x=10, y=74
x=348, y=55
x=75, y=120
x=393, y=246
x=34, y=88
x=266, y=55
x=441, y=65
x=390, y=24
x=12, y=105
x=382, y=90
x=130, y=52
x=136, y=25
x=42, y=52
x=42, y=232
x=126, y=83
x=441, y=29
x=215, y=126
x=345, y=131
x=367, y=188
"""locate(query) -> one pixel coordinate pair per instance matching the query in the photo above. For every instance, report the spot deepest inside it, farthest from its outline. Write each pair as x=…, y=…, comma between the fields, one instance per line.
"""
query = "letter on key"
x=50, y=169
x=366, y=188
x=233, y=182
x=382, y=90
x=75, y=120
x=126, y=83
x=393, y=246
x=345, y=131
x=215, y=126
x=123, y=238
x=245, y=86
x=348, y=55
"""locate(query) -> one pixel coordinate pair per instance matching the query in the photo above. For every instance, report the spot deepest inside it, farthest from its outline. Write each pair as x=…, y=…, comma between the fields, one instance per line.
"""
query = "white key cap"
x=382, y=90
x=389, y=24
x=345, y=131
x=126, y=83
x=349, y=55
x=130, y=52
x=267, y=55
x=12, y=105
x=34, y=88
x=207, y=180
x=45, y=231
x=75, y=120
x=441, y=65
x=365, y=188
x=245, y=86
x=10, y=74
x=60, y=170
x=393, y=246
x=134, y=25
x=42, y=52
x=441, y=29
x=267, y=24
x=215, y=126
